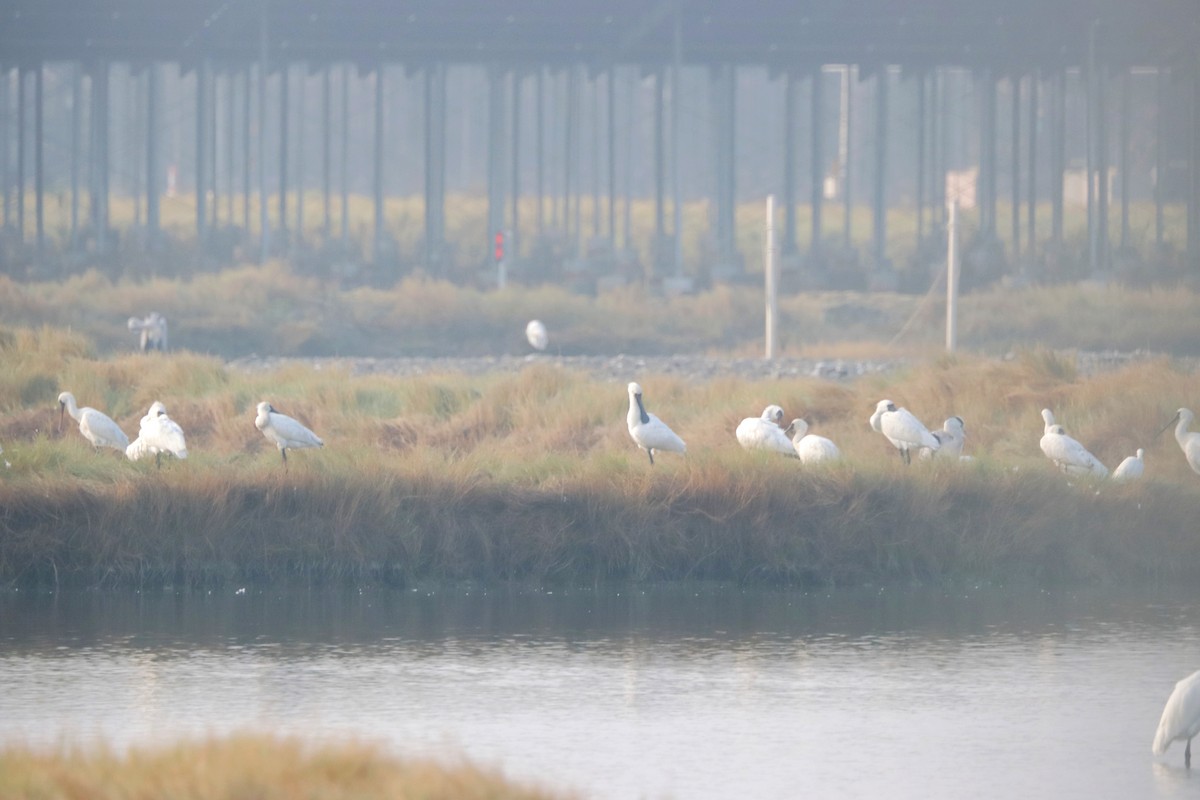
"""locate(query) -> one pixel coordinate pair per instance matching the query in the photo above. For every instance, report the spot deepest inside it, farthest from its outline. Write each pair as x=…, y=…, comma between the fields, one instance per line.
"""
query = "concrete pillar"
x=1123, y=154
x=922, y=124
x=1058, y=150
x=153, y=177
x=987, y=149
x=790, y=88
x=39, y=177
x=540, y=151
x=1160, y=151
x=1031, y=181
x=284, y=92
x=345, y=156
x=377, y=167
x=202, y=150
x=326, y=158
x=513, y=245
x=844, y=153
x=816, y=187
x=301, y=159
x=879, y=201
x=264, y=219
x=611, y=118
x=21, y=125
x=659, y=156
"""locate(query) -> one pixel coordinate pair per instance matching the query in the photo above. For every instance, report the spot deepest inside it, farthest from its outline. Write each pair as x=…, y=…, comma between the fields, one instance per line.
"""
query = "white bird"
x=158, y=434
x=284, y=431
x=810, y=448
x=1069, y=455
x=648, y=431
x=153, y=331
x=97, y=427
x=902, y=429
x=536, y=334
x=1180, y=717
x=1189, y=441
x=765, y=433
x=1131, y=468
x=950, y=437
x=1047, y=419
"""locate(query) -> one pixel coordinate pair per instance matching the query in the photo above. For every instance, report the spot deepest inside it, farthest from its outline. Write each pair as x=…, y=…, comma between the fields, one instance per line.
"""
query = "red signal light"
x=499, y=249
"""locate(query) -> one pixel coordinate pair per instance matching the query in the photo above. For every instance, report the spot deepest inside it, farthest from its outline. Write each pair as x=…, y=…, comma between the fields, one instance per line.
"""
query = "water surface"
x=684, y=692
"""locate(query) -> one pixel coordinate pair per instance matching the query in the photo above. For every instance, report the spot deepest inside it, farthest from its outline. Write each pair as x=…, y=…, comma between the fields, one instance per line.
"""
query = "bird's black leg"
x=158, y=460
x=907, y=457
x=283, y=452
x=650, y=453
x=1187, y=755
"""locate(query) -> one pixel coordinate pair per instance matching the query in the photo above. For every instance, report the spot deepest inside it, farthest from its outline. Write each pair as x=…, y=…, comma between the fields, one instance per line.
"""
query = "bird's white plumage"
x=648, y=431
x=901, y=428
x=153, y=331
x=157, y=434
x=1180, y=717
x=951, y=438
x=1131, y=468
x=285, y=432
x=810, y=448
x=1069, y=455
x=537, y=335
x=97, y=427
x=764, y=433
x=1189, y=441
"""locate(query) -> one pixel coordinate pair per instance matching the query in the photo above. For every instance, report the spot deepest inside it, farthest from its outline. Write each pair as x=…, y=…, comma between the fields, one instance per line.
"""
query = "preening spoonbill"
x=153, y=331
x=157, y=434
x=1070, y=456
x=536, y=334
x=902, y=429
x=284, y=431
x=1180, y=717
x=765, y=433
x=1047, y=419
x=951, y=438
x=1131, y=468
x=96, y=427
x=1189, y=441
x=648, y=431
x=809, y=447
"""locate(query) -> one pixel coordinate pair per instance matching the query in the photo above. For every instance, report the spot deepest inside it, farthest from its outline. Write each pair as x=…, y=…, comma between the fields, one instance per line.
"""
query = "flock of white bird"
x=158, y=434
x=906, y=433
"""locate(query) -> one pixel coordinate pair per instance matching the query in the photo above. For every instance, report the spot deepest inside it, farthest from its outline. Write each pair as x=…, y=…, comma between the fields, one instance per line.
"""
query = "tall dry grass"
x=247, y=766
x=271, y=310
x=532, y=477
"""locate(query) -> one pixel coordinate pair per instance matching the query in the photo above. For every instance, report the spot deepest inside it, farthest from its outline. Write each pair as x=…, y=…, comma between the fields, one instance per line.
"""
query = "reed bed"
x=245, y=766
x=532, y=477
x=272, y=310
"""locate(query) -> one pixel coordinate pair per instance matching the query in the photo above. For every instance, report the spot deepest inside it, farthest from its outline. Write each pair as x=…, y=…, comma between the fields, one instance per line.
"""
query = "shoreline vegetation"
x=532, y=477
x=245, y=765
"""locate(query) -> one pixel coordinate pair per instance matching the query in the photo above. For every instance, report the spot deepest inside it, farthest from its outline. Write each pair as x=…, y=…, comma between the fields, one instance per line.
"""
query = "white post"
x=770, y=277
x=952, y=279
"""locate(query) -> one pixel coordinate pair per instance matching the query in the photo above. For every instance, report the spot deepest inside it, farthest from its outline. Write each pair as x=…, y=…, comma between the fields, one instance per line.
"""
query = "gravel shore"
x=621, y=368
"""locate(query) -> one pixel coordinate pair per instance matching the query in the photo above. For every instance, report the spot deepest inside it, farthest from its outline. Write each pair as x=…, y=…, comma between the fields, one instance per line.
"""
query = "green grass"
x=532, y=477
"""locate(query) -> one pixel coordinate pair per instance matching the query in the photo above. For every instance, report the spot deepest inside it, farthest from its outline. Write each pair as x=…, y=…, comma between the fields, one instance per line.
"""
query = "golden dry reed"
x=532, y=477
x=247, y=766
x=272, y=310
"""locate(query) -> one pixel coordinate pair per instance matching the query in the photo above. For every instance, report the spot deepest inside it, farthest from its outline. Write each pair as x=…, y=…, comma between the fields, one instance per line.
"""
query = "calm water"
x=663, y=692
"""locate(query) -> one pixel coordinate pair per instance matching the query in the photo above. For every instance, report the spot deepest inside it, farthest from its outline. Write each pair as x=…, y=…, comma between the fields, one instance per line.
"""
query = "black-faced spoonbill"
x=764, y=432
x=951, y=438
x=1069, y=455
x=1131, y=468
x=810, y=448
x=153, y=331
x=1180, y=717
x=648, y=431
x=284, y=431
x=97, y=427
x=1189, y=441
x=902, y=429
x=536, y=335
x=157, y=434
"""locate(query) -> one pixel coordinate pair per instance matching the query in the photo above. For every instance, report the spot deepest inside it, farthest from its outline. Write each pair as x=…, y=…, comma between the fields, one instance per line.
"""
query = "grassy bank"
x=271, y=310
x=261, y=767
x=533, y=477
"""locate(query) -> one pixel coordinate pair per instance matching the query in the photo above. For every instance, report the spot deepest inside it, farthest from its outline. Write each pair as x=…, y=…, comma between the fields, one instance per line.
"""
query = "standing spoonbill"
x=536, y=334
x=764, y=433
x=902, y=429
x=1069, y=455
x=158, y=434
x=810, y=448
x=97, y=427
x=284, y=431
x=1180, y=717
x=153, y=331
x=951, y=438
x=1131, y=468
x=648, y=431
x=1189, y=441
